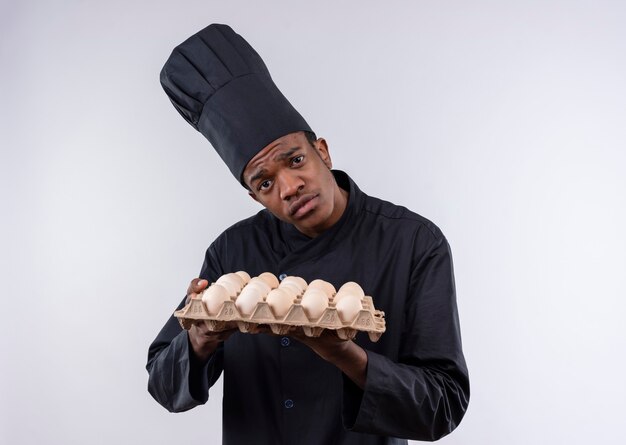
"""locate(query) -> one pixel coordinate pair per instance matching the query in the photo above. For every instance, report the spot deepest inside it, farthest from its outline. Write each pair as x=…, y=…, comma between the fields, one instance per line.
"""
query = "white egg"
x=314, y=302
x=261, y=284
x=236, y=278
x=328, y=288
x=296, y=281
x=244, y=276
x=348, y=307
x=233, y=278
x=270, y=279
x=214, y=297
x=279, y=301
x=352, y=288
x=339, y=295
x=248, y=299
x=291, y=288
x=231, y=285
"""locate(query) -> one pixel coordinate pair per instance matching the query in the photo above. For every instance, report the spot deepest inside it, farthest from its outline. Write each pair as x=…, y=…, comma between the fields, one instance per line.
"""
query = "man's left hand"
x=346, y=355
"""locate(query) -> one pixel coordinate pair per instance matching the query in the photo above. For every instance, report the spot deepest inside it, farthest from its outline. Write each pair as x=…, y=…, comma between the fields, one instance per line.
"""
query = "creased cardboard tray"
x=367, y=320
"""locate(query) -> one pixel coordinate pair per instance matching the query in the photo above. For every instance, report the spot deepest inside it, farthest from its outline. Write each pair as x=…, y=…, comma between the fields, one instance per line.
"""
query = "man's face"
x=292, y=179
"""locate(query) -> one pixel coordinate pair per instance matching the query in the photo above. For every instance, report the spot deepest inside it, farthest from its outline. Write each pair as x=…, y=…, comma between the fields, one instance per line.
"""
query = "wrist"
x=202, y=350
x=353, y=363
x=340, y=352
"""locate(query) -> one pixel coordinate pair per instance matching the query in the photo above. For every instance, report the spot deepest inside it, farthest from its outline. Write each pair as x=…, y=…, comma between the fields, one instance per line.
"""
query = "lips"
x=302, y=205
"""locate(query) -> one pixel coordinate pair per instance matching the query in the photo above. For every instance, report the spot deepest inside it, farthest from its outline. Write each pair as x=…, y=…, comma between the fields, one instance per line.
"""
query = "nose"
x=290, y=184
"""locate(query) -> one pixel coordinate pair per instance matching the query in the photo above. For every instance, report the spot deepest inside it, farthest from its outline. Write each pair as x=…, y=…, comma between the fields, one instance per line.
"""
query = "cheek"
x=328, y=195
x=329, y=183
x=273, y=204
x=267, y=202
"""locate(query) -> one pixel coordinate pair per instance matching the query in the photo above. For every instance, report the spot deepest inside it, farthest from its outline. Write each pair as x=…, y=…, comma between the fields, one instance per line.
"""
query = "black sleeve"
x=176, y=380
x=424, y=395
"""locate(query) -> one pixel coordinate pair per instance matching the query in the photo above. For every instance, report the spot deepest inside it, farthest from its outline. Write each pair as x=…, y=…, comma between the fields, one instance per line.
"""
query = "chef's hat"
x=221, y=86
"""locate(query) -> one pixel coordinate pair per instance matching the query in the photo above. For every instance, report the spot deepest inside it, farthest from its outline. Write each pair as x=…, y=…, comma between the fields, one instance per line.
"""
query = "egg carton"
x=367, y=319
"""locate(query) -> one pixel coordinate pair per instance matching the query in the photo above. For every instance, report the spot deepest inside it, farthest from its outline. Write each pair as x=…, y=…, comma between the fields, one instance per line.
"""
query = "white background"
x=503, y=122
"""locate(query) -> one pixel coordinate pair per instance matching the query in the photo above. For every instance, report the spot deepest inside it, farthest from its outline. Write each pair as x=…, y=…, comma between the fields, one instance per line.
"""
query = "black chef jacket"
x=277, y=391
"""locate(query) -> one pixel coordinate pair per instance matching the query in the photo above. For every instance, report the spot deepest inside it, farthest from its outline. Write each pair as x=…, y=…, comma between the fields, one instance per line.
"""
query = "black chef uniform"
x=276, y=390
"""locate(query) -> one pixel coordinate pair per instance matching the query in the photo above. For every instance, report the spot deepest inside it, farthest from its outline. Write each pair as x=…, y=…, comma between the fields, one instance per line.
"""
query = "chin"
x=312, y=223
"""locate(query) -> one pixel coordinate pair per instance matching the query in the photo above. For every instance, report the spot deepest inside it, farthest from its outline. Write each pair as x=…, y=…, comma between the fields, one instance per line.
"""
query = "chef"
x=316, y=224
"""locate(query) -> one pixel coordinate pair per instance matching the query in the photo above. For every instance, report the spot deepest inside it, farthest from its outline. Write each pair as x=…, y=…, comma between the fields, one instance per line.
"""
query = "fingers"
x=196, y=286
x=202, y=337
x=223, y=335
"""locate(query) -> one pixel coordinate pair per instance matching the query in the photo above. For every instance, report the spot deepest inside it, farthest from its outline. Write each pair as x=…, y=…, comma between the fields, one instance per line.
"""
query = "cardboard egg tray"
x=367, y=320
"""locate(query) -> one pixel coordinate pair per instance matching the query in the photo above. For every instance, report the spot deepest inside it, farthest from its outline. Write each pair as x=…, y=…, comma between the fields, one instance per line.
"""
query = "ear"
x=253, y=196
x=322, y=150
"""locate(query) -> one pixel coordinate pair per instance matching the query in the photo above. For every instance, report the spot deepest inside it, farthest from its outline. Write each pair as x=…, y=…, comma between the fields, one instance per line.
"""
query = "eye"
x=264, y=185
x=297, y=160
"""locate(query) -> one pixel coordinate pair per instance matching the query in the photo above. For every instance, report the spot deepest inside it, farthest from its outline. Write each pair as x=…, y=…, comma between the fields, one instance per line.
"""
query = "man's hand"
x=346, y=355
x=195, y=288
x=203, y=342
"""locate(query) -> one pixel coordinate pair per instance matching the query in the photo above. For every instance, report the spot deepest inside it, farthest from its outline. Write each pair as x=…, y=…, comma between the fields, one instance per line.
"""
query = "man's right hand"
x=203, y=342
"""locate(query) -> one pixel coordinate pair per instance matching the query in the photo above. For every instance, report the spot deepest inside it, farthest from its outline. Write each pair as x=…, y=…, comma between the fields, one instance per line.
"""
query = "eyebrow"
x=280, y=157
x=287, y=154
x=256, y=176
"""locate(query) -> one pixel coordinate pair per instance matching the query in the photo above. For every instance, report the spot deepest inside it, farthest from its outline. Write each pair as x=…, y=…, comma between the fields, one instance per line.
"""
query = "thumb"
x=196, y=286
x=200, y=285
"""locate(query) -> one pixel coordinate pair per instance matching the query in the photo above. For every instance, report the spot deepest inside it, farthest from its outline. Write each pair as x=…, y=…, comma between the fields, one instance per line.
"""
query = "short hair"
x=311, y=137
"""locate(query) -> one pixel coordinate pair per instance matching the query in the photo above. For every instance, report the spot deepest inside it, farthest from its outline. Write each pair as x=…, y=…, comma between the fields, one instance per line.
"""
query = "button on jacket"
x=277, y=391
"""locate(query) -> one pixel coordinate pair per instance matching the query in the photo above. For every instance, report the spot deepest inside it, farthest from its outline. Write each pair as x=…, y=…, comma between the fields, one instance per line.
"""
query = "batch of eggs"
x=280, y=296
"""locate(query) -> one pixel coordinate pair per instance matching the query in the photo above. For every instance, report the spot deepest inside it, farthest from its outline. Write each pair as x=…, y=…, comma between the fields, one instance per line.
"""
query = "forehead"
x=275, y=152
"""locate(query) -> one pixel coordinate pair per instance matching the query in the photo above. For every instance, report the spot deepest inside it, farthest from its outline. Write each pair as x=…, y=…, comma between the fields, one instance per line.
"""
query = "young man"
x=412, y=383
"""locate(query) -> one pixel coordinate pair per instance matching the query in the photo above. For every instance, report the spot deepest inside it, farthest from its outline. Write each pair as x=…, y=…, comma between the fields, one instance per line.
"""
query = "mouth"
x=303, y=205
